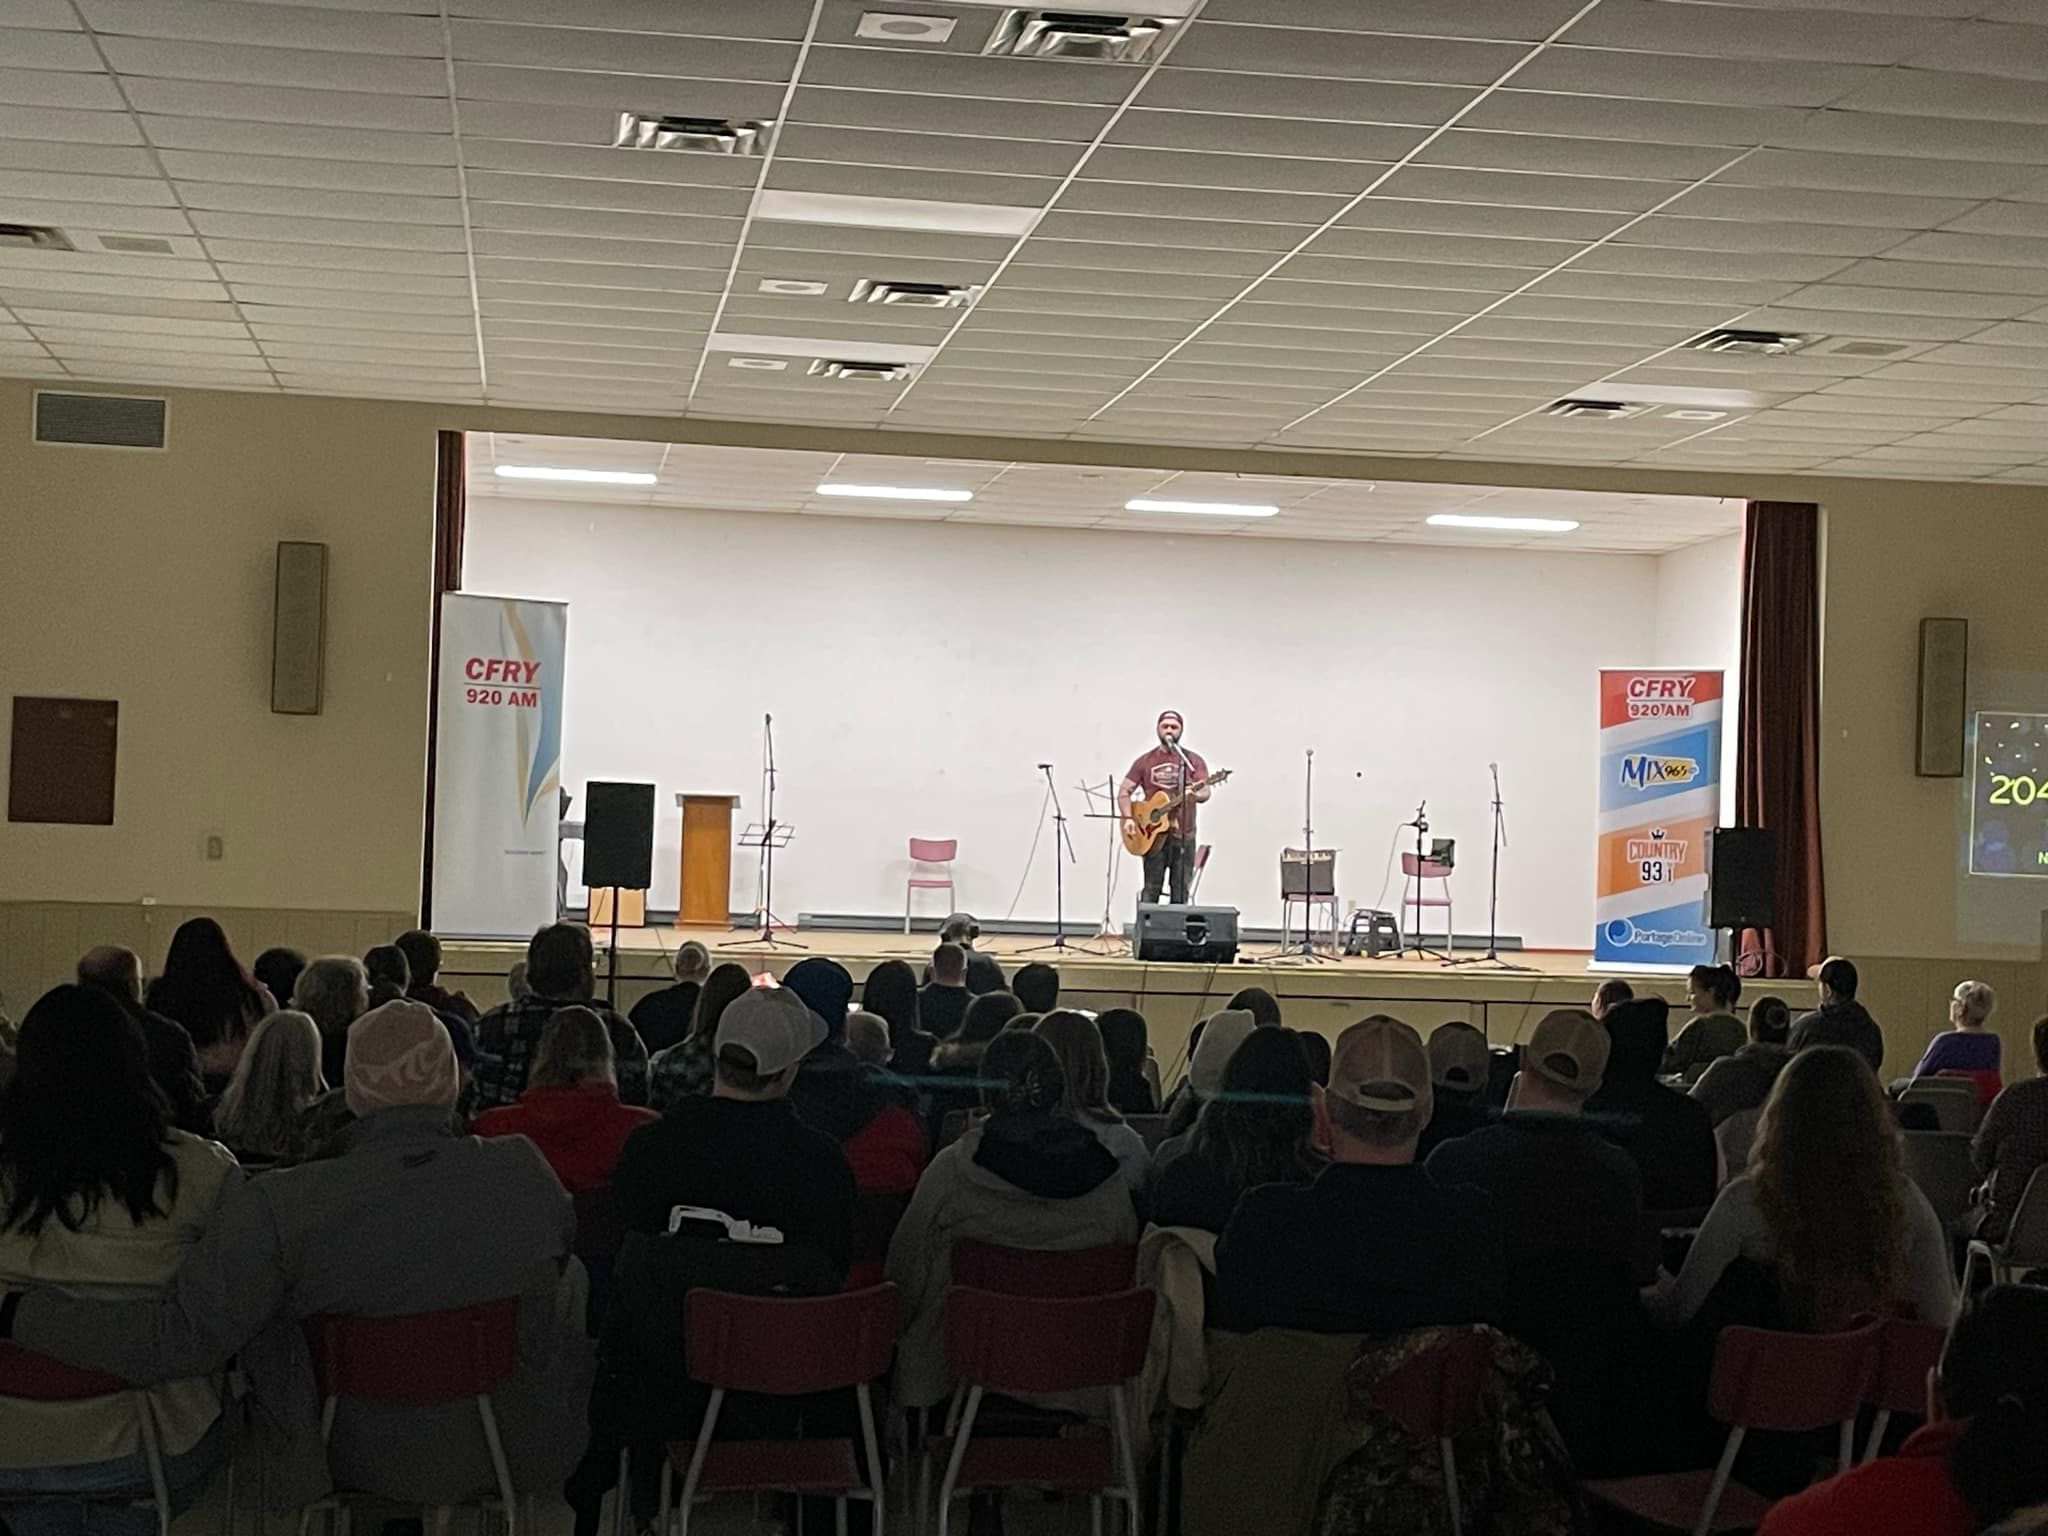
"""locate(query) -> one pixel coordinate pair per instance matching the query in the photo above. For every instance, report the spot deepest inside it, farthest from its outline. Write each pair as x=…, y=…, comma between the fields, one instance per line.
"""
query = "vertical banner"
x=498, y=765
x=1660, y=795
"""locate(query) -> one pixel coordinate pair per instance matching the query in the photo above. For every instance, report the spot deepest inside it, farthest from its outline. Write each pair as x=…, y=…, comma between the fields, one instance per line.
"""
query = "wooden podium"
x=706, y=874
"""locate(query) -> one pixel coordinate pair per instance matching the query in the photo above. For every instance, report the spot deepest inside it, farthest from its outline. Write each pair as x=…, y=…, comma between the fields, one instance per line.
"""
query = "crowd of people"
x=192, y=1168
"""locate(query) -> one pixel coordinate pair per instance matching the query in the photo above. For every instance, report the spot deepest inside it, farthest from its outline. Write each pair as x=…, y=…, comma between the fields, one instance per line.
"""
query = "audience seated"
x=173, y=1064
x=1037, y=986
x=1666, y=1132
x=943, y=1002
x=682, y=1070
x=278, y=969
x=837, y=1093
x=1253, y=1130
x=100, y=1196
x=959, y=1054
x=1023, y=1177
x=1711, y=991
x=1262, y=1005
x=515, y=982
x=1840, y=1019
x=891, y=992
x=1214, y=1041
x=1459, y=1066
x=867, y=1036
x=263, y=1117
x=1571, y=1205
x=206, y=989
x=334, y=991
x=1084, y=1068
x=571, y=1108
x=983, y=974
x=1133, y=1070
x=1980, y=1457
x=1316, y=1046
x=386, y=970
x=561, y=970
x=663, y=1016
x=1743, y=1080
x=1966, y=1045
x=409, y=1218
x=422, y=953
x=1375, y=1242
x=2012, y=1143
x=1824, y=1226
x=1608, y=994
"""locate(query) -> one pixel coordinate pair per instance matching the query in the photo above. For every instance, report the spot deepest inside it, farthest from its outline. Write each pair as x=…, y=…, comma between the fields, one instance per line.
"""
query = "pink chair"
x=1437, y=1396
x=931, y=869
x=1049, y=1272
x=1416, y=871
x=1907, y=1351
x=26, y=1376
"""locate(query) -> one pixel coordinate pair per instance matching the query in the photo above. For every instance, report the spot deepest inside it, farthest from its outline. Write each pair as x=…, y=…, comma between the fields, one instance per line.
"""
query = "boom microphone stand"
x=1306, y=949
x=1421, y=826
x=1500, y=841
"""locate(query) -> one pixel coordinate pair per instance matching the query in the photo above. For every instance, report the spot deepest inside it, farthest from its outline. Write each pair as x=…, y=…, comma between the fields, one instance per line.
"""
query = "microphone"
x=1493, y=767
x=1043, y=766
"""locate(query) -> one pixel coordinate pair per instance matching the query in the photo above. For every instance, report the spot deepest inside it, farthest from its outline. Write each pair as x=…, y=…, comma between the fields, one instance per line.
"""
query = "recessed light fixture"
x=902, y=27
x=795, y=286
x=862, y=212
x=1695, y=415
x=761, y=364
x=893, y=492
x=577, y=476
x=1511, y=524
x=1201, y=508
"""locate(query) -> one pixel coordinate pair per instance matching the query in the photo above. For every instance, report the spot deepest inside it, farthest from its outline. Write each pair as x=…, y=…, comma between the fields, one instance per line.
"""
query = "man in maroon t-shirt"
x=1166, y=767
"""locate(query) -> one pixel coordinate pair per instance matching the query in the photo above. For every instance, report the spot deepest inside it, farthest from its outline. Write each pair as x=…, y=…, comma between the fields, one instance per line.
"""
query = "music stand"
x=767, y=836
x=1102, y=806
x=1061, y=844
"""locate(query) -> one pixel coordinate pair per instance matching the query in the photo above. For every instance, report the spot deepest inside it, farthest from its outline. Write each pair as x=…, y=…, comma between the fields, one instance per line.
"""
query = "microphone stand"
x=1500, y=841
x=1421, y=826
x=774, y=834
x=1061, y=844
x=1306, y=949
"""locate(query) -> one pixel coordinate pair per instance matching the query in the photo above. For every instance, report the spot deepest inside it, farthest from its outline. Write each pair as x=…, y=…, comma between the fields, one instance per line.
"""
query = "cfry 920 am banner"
x=1660, y=795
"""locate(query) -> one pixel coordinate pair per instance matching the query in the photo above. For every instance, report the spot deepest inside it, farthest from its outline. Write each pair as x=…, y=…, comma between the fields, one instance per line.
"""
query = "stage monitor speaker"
x=1944, y=679
x=618, y=836
x=298, y=629
x=1742, y=869
x=1310, y=873
x=1205, y=935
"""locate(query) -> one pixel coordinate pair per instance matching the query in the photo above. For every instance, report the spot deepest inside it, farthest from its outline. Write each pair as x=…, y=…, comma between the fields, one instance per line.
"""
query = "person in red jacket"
x=1980, y=1456
x=571, y=1108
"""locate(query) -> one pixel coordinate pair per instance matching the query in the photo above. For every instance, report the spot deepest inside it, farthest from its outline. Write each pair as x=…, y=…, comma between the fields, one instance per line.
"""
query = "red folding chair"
x=1030, y=1345
x=931, y=869
x=418, y=1360
x=29, y=1377
x=1793, y=1382
x=1906, y=1352
x=1045, y=1272
x=783, y=1347
x=1437, y=1396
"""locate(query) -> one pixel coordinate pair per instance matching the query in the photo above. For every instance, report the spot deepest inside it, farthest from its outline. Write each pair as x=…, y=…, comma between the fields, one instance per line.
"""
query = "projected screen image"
x=2009, y=795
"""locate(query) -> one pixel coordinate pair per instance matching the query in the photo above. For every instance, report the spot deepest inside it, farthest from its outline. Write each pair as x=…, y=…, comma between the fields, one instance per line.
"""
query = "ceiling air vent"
x=854, y=371
x=690, y=135
x=137, y=245
x=39, y=237
x=1866, y=348
x=100, y=421
x=1592, y=410
x=878, y=290
x=1086, y=35
x=1750, y=343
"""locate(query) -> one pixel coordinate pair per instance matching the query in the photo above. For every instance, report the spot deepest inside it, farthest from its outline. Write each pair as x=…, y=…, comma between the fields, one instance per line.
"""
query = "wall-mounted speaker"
x=1742, y=876
x=1944, y=680
x=298, y=631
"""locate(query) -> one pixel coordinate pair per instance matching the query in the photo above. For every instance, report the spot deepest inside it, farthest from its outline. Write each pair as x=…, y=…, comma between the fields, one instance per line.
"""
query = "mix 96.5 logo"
x=1642, y=770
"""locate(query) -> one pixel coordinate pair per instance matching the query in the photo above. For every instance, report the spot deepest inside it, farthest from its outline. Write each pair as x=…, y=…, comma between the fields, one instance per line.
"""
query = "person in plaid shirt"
x=683, y=1070
x=561, y=970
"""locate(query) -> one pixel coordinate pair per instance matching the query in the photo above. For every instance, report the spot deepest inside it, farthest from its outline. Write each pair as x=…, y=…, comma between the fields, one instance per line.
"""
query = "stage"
x=1326, y=994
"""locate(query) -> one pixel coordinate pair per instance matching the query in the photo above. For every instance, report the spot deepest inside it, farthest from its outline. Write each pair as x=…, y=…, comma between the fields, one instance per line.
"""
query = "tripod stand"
x=1421, y=826
x=1062, y=855
x=1500, y=841
x=1306, y=949
x=768, y=836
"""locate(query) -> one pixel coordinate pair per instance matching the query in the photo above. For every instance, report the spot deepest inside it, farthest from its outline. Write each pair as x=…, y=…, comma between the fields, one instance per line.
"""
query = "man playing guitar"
x=1167, y=769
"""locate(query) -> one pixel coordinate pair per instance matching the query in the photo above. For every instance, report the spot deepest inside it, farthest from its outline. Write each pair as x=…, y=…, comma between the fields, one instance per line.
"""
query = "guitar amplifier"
x=1205, y=935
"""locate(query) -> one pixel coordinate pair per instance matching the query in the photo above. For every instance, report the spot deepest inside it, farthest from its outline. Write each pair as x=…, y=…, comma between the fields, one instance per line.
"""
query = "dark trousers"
x=1172, y=859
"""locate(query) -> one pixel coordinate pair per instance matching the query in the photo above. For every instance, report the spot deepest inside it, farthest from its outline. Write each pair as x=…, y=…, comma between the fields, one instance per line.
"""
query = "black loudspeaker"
x=618, y=836
x=298, y=629
x=1206, y=935
x=1944, y=684
x=1742, y=870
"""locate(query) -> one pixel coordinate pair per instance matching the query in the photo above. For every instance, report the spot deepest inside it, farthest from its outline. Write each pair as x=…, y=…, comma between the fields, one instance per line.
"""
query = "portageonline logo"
x=1622, y=932
x=1641, y=770
x=1660, y=698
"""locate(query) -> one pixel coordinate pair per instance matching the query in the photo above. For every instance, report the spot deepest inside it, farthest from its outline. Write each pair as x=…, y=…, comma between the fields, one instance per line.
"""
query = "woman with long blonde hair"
x=1825, y=1211
x=262, y=1116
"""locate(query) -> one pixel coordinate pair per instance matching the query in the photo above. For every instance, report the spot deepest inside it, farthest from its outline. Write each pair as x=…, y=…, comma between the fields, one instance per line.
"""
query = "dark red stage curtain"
x=451, y=511
x=1777, y=771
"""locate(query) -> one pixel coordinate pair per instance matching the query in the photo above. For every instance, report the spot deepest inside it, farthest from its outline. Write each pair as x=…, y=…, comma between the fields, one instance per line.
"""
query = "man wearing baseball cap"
x=1375, y=1243
x=1170, y=768
x=1461, y=1067
x=1571, y=1204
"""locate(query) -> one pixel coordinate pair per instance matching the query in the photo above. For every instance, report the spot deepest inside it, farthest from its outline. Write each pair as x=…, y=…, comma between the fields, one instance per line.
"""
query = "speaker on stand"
x=618, y=852
x=1742, y=877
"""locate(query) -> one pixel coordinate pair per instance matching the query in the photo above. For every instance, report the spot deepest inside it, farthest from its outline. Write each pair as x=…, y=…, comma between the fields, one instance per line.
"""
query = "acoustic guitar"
x=1147, y=820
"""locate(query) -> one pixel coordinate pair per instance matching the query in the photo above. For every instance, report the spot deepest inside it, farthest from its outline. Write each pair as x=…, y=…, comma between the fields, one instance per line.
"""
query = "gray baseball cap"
x=773, y=1026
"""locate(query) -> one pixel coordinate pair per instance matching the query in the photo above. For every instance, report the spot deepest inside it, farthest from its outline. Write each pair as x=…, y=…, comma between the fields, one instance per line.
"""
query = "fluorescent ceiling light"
x=579, y=476
x=895, y=492
x=1513, y=524
x=1203, y=508
x=918, y=213
x=817, y=346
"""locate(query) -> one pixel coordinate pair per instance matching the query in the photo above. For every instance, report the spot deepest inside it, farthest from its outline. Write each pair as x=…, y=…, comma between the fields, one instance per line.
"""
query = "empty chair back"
x=1027, y=1344
x=933, y=850
x=1764, y=1379
x=787, y=1346
x=29, y=1377
x=1045, y=1271
x=1437, y=1394
x=418, y=1359
x=1953, y=1100
x=1939, y=1163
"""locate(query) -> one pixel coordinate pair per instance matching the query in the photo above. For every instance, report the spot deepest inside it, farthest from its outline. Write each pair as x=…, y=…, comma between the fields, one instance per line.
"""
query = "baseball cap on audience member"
x=772, y=1025
x=1568, y=1047
x=1222, y=1033
x=1381, y=1064
x=1458, y=1058
x=399, y=1054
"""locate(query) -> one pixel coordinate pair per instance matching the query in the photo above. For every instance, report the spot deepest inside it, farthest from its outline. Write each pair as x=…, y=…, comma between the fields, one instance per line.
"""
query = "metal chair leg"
x=1450, y=1459
x=1126, y=1457
x=697, y=1454
x=1879, y=1423
x=961, y=1434
x=498, y=1464
x=1719, y=1486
